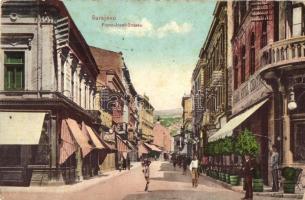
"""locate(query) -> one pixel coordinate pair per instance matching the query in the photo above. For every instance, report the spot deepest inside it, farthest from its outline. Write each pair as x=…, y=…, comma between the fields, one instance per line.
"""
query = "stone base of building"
x=45, y=177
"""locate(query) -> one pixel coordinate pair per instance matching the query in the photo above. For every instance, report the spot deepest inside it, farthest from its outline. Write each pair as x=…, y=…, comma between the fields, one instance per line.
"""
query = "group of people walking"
x=248, y=168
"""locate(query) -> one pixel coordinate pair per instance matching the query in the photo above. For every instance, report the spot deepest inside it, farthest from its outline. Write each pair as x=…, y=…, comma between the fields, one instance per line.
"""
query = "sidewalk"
x=267, y=190
x=70, y=188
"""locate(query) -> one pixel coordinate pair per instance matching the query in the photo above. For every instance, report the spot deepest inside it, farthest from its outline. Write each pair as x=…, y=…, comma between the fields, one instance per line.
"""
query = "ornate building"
x=47, y=92
x=213, y=53
x=282, y=66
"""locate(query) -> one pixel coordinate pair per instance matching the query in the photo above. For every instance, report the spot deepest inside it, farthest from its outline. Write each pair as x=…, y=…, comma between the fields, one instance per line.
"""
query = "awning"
x=67, y=145
x=153, y=147
x=142, y=149
x=94, y=138
x=227, y=129
x=21, y=128
x=109, y=145
x=122, y=147
x=79, y=137
x=131, y=145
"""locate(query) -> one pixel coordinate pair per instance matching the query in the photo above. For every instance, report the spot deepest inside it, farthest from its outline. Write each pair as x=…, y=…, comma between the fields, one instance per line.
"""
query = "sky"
x=160, y=40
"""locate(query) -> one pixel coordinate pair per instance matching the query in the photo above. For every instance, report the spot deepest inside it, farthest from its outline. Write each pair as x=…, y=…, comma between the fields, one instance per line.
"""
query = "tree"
x=246, y=144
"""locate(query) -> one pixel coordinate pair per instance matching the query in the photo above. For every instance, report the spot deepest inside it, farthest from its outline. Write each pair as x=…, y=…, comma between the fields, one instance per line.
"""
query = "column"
x=53, y=141
x=287, y=154
x=77, y=83
x=83, y=92
x=59, y=52
x=79, y=165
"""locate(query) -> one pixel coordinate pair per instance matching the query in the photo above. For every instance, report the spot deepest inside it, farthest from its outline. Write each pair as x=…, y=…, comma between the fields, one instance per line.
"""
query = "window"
x=297, y=21
x=264, y=34
x=13, y=70
x=235, y=72
x=10, y=155
x=243, y=9
x=252, y=54
x=243, y=64
x=299, y=141
x=236, y=17
x=40, y=153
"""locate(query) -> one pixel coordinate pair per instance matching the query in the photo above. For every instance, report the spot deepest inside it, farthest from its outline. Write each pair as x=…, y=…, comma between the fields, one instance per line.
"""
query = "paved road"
x=166, y=183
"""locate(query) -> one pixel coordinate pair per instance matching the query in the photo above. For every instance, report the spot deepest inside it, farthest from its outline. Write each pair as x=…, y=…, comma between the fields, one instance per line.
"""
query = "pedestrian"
x=194, y=171
x=275, y=167
x=146, y=172
x=248, y=171
x=184, y=165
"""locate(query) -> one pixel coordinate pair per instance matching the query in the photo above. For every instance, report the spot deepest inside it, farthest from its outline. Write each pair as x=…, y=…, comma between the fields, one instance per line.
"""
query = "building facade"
x=185, y=144
x=214, y=55
x=146, y=118
x=47, y=84
x=281, y=63
x=197, y=96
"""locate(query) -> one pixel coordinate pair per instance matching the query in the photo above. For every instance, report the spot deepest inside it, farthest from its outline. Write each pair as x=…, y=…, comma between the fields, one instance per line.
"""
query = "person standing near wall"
x=248, y=170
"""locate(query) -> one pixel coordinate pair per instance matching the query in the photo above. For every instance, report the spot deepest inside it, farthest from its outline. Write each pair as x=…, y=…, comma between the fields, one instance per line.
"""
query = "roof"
x=108, y=60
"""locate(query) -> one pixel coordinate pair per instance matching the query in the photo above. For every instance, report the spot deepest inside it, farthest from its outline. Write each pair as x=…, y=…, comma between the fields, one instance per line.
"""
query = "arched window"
x=252, y=53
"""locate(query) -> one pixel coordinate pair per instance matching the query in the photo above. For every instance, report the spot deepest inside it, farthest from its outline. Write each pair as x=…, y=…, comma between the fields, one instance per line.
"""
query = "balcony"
x=283, y=53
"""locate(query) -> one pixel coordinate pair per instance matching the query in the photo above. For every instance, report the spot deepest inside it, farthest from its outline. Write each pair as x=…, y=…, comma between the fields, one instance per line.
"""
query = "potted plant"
x=290, y=176
x=228, y=148
x=246, y=144
x=258, y=184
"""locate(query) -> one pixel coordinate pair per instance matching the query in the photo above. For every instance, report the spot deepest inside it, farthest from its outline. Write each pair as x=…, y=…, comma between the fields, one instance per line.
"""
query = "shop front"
x=24, y=145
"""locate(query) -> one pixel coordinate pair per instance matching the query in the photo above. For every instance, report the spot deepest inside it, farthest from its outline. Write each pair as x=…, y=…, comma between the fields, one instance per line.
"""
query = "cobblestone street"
x=166, y=183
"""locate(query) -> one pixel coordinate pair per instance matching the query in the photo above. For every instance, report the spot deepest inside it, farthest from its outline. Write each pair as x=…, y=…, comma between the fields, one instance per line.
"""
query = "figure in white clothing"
x=194, y=171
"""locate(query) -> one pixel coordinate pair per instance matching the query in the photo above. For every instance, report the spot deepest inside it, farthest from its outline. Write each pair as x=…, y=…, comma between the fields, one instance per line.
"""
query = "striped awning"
x=142, y=149
x=67, y=146
x=94, y=138
x=81, y=138
x=153, y=147
x=109, y=145
x=131, y=146
x=121, y=145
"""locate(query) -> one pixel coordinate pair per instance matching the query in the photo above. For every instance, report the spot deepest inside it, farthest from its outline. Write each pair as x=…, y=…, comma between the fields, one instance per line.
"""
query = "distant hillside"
x=171, y=112
x=171, y=119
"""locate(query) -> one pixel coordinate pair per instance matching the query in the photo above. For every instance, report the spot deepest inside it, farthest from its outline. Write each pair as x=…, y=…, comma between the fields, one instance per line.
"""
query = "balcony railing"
x=283, y=52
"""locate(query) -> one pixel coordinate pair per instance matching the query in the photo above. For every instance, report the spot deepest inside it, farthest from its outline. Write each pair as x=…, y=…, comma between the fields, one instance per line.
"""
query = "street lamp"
x=292, y=105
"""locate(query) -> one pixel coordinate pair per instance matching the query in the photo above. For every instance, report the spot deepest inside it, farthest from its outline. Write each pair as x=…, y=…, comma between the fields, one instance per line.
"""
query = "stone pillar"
x=77, y=83
x=282, y=20
x=82, y=95
x=271, y=134
x=79, y=165
x=59, y=52
x=287, y=154
x=53, y=141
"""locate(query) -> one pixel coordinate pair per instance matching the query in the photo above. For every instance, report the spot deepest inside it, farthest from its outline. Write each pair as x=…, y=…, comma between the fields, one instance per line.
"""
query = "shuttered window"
x=14, y=70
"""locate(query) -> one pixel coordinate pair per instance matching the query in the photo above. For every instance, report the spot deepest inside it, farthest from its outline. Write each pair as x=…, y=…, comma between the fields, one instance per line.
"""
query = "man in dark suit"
x=248, y=170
